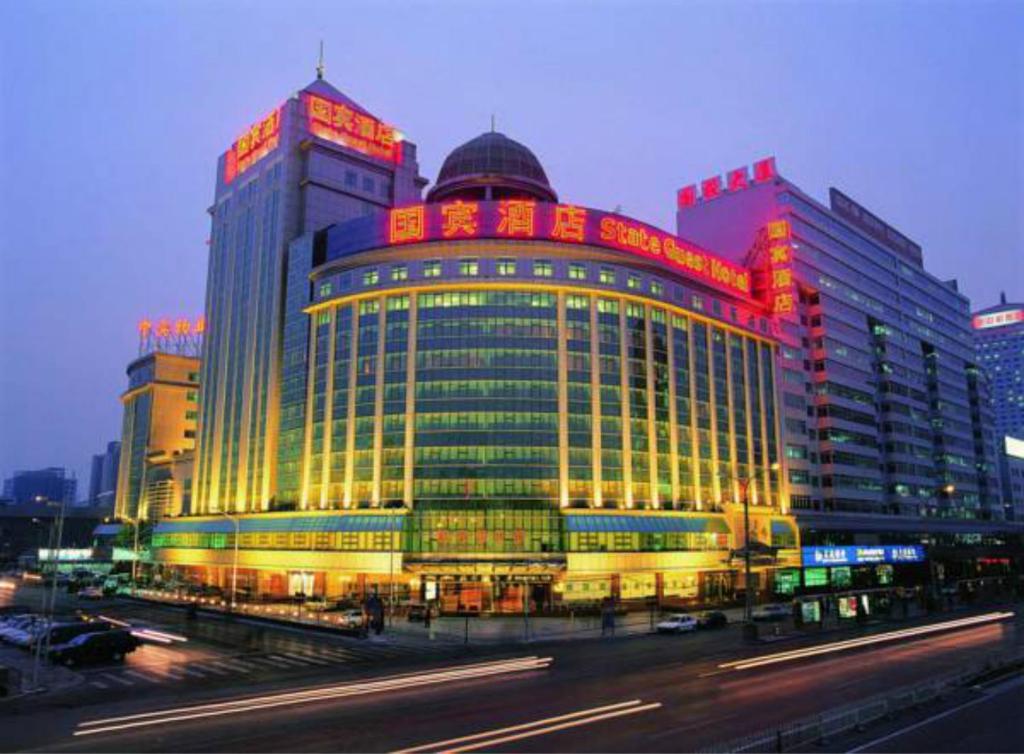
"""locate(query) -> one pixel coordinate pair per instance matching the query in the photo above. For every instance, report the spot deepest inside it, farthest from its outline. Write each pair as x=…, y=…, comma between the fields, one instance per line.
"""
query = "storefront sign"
x=862, y=555
x=540, y=221
x=66, y=554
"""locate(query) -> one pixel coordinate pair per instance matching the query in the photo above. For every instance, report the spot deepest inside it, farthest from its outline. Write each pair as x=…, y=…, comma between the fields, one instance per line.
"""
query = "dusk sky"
x=112, y=115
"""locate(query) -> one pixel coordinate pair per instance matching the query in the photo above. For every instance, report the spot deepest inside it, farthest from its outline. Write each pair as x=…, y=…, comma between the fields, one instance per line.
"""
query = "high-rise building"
x=316, y=159
x=103, y=476
x=157, y=435
x=1011, y=472
x=888, y=431
x=999, y=338
x=53, y=484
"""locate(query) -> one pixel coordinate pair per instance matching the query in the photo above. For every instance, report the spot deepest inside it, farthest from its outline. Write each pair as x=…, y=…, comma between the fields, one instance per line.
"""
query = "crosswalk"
x=239, y=666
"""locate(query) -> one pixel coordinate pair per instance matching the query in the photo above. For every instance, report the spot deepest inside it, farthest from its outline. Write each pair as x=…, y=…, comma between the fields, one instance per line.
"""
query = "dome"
x=492, y=166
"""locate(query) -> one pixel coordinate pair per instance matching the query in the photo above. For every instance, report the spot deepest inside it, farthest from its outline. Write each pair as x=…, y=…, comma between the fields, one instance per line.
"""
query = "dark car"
x=712, y=619
x=61, y=633
x=417, y=612
x=105, y=646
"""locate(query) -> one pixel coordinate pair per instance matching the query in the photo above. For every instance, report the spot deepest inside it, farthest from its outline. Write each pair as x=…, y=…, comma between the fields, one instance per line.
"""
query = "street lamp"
x=748, y=594
x=234, y=564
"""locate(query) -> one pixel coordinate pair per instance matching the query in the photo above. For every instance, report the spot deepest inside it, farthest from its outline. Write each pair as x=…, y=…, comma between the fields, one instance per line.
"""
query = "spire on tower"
x=320, y=63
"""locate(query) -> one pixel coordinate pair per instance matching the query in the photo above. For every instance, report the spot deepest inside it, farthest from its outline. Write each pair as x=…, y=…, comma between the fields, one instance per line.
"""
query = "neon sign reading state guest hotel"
x=541, y=221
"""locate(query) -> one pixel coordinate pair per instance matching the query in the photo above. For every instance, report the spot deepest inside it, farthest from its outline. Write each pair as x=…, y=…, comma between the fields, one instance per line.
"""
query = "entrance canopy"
x=283, y=524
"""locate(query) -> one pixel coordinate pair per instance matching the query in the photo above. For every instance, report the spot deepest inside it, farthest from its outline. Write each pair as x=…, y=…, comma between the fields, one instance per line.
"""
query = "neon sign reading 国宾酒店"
x=343, y=124
x=252, y=146
x=540, y=221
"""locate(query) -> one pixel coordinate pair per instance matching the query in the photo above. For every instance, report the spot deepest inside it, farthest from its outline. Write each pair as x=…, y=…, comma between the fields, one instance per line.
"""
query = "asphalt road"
x=639, y=694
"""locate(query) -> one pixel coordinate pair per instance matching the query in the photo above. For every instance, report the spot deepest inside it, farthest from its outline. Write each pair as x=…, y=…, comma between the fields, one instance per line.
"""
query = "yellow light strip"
x=841, y=646
x=448, y=285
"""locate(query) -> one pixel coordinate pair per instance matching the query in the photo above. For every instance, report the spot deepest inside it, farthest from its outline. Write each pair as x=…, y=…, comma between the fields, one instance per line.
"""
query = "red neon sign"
x=523, y=219
x=711, y=188
x=687, y=196
x=352, y=128
x=779, y=268
x=764, y=170
x=252, y=146
x=998, y=319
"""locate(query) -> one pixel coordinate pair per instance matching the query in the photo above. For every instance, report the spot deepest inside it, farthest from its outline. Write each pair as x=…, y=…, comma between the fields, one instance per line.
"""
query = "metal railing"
x=817, y=730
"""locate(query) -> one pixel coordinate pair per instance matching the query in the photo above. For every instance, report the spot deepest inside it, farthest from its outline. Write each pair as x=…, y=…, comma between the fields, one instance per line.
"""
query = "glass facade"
x=533, y=395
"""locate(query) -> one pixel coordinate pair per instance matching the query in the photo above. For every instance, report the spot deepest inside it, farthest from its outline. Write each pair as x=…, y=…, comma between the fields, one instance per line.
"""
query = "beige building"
x=158, y=436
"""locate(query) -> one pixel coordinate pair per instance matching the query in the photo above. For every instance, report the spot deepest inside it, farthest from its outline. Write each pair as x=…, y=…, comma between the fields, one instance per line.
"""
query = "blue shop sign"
x=862, y=555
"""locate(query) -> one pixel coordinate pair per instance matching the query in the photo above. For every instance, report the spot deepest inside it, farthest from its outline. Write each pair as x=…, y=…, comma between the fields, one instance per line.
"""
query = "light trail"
x=841, y=646
x=250, y=704
x=535, y=728
x=161, y=637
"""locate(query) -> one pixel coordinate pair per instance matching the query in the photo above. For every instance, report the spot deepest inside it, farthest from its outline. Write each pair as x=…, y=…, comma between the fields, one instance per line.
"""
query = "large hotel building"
x=486, y=396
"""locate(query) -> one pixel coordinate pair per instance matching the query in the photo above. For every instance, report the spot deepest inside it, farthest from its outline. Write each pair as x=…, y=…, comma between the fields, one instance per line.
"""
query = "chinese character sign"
x=342, y=124
x=543, y=221
x=252, y=146
x=780, y=268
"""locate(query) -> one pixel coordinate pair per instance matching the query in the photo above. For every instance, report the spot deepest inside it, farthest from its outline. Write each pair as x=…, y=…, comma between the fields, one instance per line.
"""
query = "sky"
x=112, y=115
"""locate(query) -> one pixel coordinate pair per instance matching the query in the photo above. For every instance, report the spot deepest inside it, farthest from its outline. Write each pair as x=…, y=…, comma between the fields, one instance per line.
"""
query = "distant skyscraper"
x=999, y=337
x=319, y=158
x=54, y=484
x=103, y=475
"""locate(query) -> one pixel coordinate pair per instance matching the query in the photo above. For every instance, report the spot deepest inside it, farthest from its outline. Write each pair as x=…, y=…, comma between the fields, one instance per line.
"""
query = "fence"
x=819, y=729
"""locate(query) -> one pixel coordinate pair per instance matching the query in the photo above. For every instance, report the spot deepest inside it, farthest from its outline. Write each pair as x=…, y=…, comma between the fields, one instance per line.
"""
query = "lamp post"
x=135, y=555
x=234, y=562
x=748, y=593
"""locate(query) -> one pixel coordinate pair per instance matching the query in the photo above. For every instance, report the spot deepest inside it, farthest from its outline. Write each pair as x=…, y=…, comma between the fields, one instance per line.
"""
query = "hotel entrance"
x=462, y=595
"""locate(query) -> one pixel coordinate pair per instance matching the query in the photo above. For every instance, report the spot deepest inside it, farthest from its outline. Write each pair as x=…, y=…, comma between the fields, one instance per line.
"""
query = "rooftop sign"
x=998, y=319
x=542, y=221
x=343, y=124
x=735, y=180
x=252, y=146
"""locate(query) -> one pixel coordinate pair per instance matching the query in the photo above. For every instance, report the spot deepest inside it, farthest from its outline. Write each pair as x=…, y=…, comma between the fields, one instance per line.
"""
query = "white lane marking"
x=99, y=684
x=143, y=676
x=210, y=667
x=118, y=679
x=306, y=658
x=237, y=665
x=272, y=662
x=542, y=727
x=194, y=672
x=288, y=660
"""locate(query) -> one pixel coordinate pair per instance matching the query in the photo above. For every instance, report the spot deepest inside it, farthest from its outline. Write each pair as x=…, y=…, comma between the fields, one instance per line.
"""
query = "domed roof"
x=492, y=166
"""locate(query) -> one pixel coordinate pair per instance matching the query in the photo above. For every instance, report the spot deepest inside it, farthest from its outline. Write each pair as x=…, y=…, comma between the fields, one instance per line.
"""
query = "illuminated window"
x=577, y=272
x=469, y=267
x=506, y=266
x=370, y=277
x=323, y=318
x=632, y=281
x=607, y=277
x=190, y=434
x=399, y=272
x=432, y=269
x=193, y=376
x=192, y=396
x=697, y=303
x=542, y=268
x=657, y=289
x=369, y=307
x=191, y=415
x=607, y=306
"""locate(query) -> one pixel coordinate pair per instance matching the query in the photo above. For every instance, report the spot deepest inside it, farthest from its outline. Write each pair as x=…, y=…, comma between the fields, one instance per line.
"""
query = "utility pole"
x=56, y=537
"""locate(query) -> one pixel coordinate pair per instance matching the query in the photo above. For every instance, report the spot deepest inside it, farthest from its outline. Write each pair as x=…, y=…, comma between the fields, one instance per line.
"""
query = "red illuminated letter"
x=516, y=217
x=459, y=217
x=569, y=223
x=407, y=224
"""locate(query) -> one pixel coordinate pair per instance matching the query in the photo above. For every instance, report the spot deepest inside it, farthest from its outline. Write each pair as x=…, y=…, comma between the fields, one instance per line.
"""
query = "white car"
x=772, y=613
x=677, y=624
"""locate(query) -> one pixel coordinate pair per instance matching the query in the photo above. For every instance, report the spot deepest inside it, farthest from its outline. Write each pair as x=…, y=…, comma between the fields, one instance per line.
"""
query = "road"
x=656, y=693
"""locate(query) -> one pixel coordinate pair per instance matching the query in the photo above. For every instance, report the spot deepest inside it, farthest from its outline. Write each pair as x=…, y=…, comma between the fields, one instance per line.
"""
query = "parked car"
x=14, y=625
x=91, y=593
x=712, y=619
x=61, y=633
x=677, y=623
x=771, y=613
x=104, y=646
x=417, y=613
